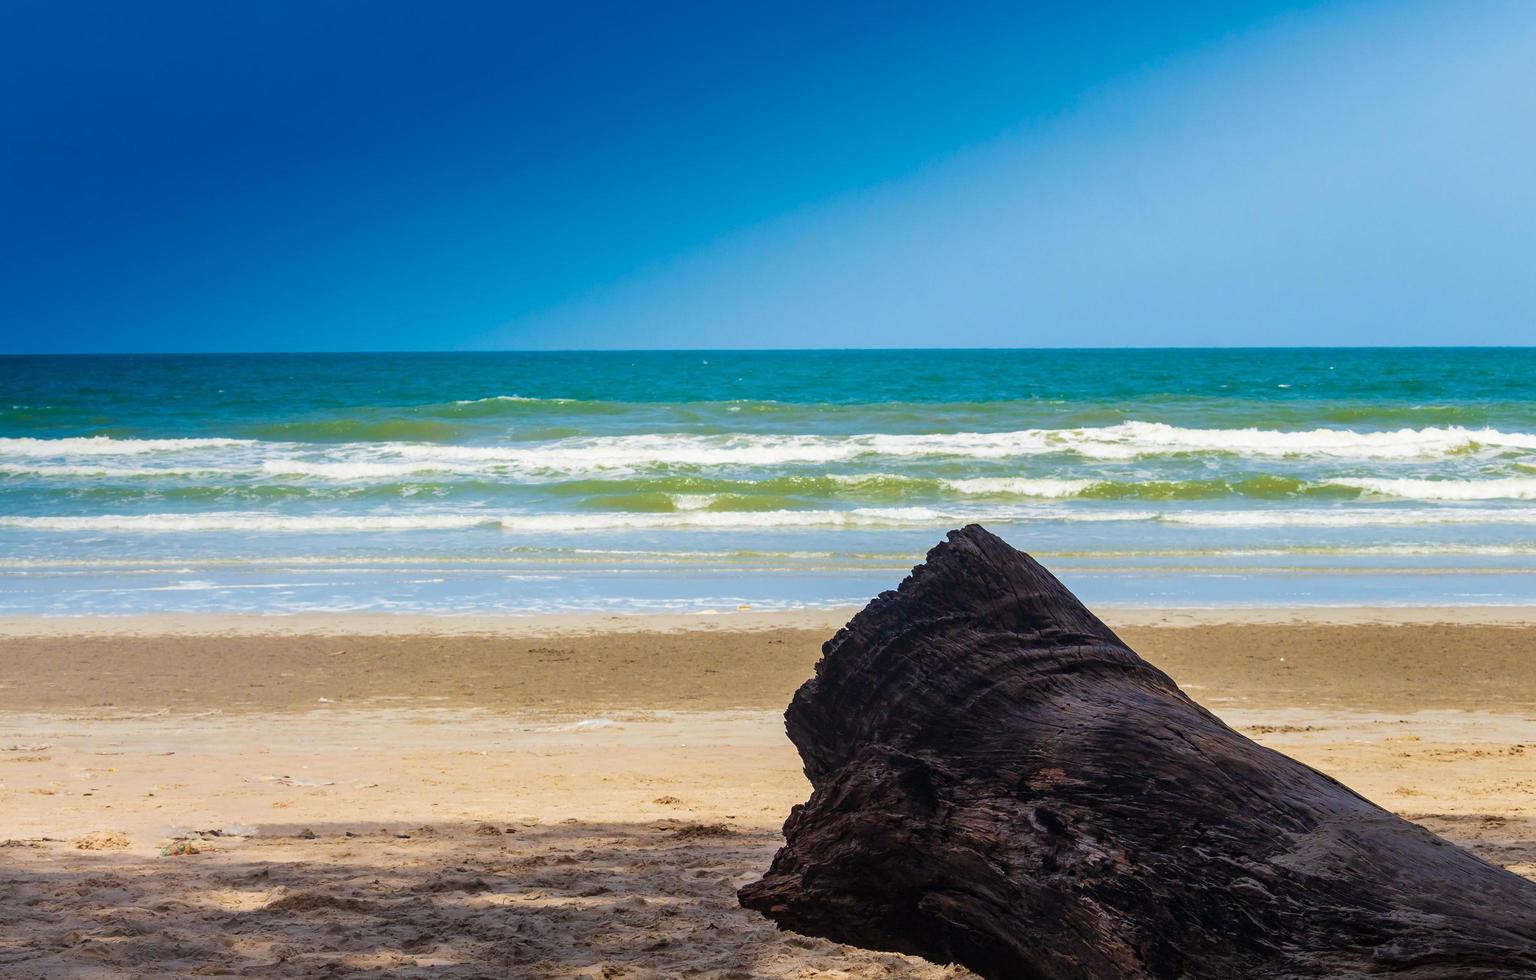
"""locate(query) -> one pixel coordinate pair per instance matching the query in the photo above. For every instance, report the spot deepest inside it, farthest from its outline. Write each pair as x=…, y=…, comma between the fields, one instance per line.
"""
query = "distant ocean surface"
x=694, y=481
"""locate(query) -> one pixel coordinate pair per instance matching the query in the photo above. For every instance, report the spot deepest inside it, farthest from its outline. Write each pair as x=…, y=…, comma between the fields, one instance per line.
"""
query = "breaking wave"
x=700, y=518
x=107, y=446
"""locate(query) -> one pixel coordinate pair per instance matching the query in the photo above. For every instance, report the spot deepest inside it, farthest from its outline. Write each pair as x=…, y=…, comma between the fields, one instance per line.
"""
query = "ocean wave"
x=702, y=518
x=351, y=470
x=1351, y=517
x=118, y=472
x=250, y=521
x=1019, y=487
x=1260, y=487
x=730, y=520
x=518, y=406
x=1266, y=486
x=553, y=522
x=107, y=446
x=596, y=454
x=538, y=557
x=1129, y=440
x=1509, y=488
x=895, y=488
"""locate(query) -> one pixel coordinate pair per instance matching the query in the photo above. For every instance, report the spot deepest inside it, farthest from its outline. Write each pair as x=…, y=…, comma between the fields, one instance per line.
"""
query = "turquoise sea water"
x=705, y=480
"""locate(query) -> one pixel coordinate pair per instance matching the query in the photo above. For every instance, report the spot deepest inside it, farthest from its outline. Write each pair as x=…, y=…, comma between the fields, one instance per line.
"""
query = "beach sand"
x=581, y=796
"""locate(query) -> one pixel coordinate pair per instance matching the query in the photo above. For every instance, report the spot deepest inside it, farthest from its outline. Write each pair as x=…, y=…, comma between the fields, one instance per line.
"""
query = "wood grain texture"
x=1000, y=782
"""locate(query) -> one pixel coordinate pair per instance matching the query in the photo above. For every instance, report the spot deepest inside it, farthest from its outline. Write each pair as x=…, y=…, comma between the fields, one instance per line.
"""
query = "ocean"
x=705, y=481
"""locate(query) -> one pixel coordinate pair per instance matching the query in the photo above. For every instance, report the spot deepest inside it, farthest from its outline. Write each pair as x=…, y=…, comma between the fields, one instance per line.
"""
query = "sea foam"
x=865, y=517
x=107, y=446
x=1124, y=441
x=1018, y=487
x=1508, y=488
x=1352, y=517
x=1129, y=440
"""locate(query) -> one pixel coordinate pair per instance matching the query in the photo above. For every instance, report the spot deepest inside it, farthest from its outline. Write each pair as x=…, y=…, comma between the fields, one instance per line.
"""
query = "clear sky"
x=187, y=175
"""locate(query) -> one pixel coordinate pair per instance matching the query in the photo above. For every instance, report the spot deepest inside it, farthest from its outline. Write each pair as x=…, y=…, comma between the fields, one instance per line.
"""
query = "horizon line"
x=763, y=350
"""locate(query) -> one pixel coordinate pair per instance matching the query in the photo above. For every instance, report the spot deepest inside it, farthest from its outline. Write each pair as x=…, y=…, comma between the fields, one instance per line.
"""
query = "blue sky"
x=391, y=176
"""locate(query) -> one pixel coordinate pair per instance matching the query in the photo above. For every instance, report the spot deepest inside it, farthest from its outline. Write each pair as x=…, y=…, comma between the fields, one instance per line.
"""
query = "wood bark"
x=1000, y=782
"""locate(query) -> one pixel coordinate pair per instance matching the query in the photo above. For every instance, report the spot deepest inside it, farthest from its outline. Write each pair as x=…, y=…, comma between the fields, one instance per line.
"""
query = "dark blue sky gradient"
x=268, y=176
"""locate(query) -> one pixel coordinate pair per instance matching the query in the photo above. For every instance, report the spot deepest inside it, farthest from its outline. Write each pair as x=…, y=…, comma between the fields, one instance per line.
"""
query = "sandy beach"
x=581, y=796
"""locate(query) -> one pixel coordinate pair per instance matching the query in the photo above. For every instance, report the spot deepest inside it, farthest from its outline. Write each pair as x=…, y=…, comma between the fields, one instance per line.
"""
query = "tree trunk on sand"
x=1000, y=782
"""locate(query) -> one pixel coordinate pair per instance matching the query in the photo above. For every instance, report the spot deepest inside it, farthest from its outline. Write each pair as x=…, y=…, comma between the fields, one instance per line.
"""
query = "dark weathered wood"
x=1000, y=782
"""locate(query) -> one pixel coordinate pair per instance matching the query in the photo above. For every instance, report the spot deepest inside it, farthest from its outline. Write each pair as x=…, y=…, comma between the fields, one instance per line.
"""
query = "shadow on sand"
x=633, y=900
x=460, y=901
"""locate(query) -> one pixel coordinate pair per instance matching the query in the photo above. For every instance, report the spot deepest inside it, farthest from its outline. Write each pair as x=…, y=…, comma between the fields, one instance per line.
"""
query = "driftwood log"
x=1000, y=782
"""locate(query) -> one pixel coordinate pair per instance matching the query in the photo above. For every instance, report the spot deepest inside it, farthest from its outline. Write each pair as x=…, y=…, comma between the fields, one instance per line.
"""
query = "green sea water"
x=705, y=480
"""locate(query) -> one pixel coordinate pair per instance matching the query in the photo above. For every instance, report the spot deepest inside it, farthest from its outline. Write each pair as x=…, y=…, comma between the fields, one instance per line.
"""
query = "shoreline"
x=829, y=619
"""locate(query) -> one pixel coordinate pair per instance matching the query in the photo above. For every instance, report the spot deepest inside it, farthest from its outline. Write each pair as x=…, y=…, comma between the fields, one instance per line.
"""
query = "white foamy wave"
x=864, y=517
x=1510, y=488
x=511, y=398
x=1132, y=439
x=860, y=479
x=1409, y=550
x=730, y=520
x=1004, y=486
x=107, y=446
x=860, y=517
x=601, y=453
x=703, y=519
x=354, y=470
x=1351, y=517
x=609, y=453
x=119, y=472
x=249, y=521
x=1128, y=440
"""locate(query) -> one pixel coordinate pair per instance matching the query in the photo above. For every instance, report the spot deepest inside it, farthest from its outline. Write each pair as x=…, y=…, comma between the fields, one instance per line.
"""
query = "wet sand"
x=466, y=798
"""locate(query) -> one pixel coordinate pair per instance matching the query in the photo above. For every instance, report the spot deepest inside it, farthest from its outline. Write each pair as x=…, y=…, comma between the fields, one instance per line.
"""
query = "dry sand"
x=496, y=798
